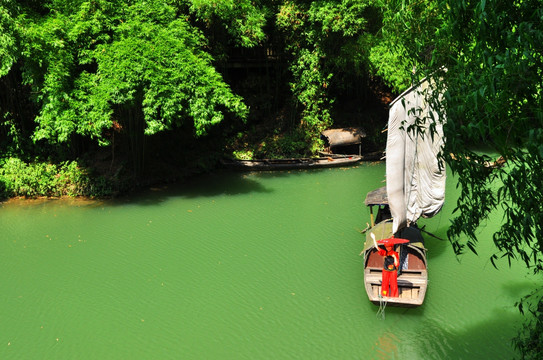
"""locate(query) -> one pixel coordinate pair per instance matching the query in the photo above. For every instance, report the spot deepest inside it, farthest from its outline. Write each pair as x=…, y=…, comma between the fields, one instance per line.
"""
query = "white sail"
x=415, y=178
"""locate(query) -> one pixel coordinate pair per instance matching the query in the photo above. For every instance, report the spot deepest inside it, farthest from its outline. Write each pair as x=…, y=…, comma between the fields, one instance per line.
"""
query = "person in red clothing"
x=390, y=272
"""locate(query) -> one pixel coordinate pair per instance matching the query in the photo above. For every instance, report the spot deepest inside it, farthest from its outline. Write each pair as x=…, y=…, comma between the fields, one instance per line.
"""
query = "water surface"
x=238, y=266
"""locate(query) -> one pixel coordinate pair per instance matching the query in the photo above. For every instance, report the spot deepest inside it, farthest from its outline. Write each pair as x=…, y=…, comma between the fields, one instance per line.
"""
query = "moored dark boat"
x=297, y=163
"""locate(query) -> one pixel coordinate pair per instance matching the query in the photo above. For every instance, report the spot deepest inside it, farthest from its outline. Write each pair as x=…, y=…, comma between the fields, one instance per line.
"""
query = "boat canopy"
x=377, y=197
x=344, y=136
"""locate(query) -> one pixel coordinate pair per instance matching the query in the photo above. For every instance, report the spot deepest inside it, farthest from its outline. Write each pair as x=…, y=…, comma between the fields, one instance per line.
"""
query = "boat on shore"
x=415, y=187
x=294, y=163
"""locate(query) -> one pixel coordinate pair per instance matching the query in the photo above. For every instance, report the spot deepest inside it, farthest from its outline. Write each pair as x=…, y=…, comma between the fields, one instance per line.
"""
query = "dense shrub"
x=18, y=178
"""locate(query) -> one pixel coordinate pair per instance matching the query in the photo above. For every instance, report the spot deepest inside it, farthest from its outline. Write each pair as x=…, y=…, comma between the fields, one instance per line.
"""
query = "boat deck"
x=411, y=288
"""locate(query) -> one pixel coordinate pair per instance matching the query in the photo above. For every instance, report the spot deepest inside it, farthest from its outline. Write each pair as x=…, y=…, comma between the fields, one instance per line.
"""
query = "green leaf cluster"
x=325, y=38
x=90, y=62
x=244, y=20
x=493, y=79
x=39, y=179
x=93, y=68
x=8, y=37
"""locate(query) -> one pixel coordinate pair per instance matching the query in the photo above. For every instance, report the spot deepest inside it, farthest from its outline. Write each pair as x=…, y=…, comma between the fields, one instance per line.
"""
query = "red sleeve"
x=382, y=252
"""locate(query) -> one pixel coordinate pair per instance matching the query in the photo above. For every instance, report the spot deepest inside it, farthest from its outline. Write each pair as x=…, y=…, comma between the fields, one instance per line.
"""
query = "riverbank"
x=107, y=172
x=40, y=179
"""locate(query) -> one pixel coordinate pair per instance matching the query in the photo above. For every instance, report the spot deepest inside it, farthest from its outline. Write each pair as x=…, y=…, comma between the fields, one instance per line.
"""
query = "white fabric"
x=415, y=181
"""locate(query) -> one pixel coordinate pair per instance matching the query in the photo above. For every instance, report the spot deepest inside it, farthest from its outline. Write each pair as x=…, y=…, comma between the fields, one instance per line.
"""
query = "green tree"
x=495, y=95
x=146, y=67
x=325, y=39
x=8, y=37
x=243, y=20
x=140, y=64
x=487, y=59
x=406, y=40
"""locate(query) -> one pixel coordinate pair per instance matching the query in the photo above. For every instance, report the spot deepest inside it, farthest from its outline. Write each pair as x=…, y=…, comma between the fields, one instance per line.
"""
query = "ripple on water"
x=259, y=266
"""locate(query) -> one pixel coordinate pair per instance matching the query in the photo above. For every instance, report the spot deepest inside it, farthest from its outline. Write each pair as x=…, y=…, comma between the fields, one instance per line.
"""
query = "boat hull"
x=289, y=164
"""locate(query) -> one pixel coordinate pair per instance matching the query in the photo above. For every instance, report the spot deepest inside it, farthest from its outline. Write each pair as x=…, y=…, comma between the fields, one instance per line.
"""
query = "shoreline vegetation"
x=76, y=179
x=70, y=179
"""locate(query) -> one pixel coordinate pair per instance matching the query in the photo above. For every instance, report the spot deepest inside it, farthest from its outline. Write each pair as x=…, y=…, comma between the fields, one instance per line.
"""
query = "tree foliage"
x=244, y=20
x=94, y=67
x=487, y=58
x=8, y=38
x=494, y=62
x=89, y=62
x=402, y=49
x=324, y=40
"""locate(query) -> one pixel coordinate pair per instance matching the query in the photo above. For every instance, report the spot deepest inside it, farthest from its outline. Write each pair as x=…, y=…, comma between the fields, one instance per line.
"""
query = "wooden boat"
x=415, y=187
x=413, y=274
x=371, y=156
x=288, y=164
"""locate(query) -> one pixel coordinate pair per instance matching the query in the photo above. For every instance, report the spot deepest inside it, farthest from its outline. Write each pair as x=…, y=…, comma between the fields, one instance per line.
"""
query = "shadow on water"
x=519, y=288
x=483, y=340
x=220, y=182
x=437, y=340
x=207, y=185
x=436, y=247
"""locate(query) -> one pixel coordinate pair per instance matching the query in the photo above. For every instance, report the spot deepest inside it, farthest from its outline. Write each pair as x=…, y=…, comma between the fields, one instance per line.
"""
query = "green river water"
x=238, y=266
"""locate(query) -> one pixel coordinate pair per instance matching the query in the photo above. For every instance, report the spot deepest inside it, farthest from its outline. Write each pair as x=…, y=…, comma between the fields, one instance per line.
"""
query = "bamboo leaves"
x=92, y=60
x=8, y=34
